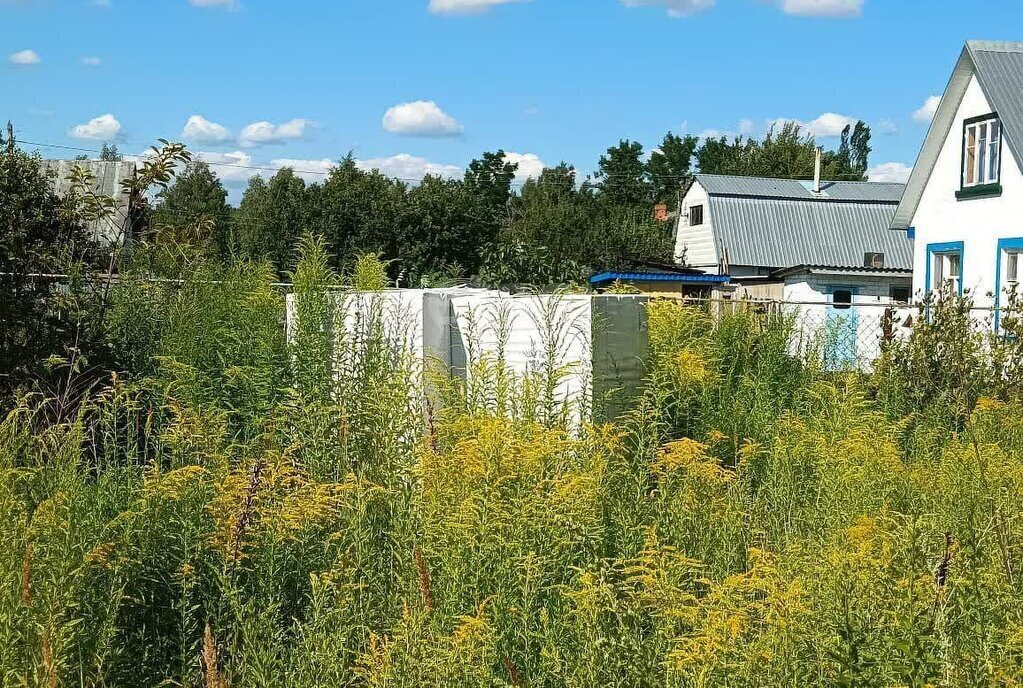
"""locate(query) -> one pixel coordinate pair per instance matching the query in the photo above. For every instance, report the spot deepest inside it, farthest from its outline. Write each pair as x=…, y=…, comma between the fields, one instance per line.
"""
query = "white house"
x=963, y=203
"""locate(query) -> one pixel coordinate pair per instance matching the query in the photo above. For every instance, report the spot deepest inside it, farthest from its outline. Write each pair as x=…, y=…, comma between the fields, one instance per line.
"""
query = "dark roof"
x=781, y=223
x=796, y=189
x=998, y=67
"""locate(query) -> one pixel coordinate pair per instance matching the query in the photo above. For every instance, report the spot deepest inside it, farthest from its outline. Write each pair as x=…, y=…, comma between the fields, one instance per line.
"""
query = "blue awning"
x=658, y=277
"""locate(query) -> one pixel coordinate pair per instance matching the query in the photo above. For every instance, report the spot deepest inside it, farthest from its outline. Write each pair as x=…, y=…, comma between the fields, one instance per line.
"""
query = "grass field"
x=230, y=513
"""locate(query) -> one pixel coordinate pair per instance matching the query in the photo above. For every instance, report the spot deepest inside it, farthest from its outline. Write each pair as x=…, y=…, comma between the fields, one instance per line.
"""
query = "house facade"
x=822, y=250
x=792, y=240
x=963, y=204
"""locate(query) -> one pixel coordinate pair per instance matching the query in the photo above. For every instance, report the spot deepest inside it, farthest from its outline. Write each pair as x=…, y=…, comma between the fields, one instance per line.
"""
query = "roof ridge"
x=996, y=46
x=794, y=179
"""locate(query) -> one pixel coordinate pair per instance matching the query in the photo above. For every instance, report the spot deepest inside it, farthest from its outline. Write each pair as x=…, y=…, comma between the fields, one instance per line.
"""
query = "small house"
x=108, y=176
x=824, y=249
x=657, y=279
x=963, y=203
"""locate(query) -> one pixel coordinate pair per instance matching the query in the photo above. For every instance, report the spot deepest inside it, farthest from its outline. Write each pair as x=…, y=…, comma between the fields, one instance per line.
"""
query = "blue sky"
x=425, y=85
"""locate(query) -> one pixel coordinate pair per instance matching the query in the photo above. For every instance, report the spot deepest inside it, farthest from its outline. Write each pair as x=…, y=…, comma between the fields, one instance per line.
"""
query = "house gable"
x=696, y=243
x=995, y=70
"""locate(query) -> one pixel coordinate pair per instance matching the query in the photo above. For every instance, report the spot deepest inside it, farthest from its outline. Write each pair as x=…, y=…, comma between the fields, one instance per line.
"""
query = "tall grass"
x=249, y=507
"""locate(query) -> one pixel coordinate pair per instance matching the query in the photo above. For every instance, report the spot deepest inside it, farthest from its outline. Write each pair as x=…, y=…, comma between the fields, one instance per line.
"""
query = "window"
x=947, y=271
x=899, y=294
x=1012, y=268
x=841, y=299
x=695, y=215
x=982, y=139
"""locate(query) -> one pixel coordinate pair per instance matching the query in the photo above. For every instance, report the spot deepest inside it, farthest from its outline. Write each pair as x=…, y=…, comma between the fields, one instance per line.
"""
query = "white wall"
x=977, y=222
x=696, y=242
x=870, y=301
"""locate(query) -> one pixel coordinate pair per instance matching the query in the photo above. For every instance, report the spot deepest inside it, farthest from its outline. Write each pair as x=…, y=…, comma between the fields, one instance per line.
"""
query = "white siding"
x=978, y=222
x=696, y=243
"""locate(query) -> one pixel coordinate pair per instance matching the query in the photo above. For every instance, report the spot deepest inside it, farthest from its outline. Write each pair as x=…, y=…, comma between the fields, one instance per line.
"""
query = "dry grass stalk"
x=513, y=672
x=26, y=576
x=211, y=661
x=48, y=666
x=246, y=516
x=425, y=586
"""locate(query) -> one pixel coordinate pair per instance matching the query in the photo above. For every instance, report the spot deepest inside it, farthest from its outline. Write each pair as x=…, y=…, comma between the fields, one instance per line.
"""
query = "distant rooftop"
x=797, y=189
x=108, y=176
x=782, y=223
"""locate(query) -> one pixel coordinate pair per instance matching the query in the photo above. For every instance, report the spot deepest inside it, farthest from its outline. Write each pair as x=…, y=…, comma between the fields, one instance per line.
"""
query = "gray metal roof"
x=764, y=187
x=782, y=233
x=998, y=67
x=108, y=177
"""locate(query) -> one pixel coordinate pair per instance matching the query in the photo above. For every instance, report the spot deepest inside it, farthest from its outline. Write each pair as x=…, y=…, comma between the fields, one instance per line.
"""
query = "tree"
x=787, y=153
x=109, y=153
x=670, y=166
x=271, y=219
x=451, y=227
x=198, y=197
x=39, y=234
x=490, y=177
x=623, y=176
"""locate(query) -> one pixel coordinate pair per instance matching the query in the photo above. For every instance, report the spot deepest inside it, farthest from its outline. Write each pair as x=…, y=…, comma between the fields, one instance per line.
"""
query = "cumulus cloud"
x=887, y=127
x=263, y=133
x=201, y=130
x=92, y=61
x=465, y=6
x=24, y=58
x=420, y=118
x=530, y=165
x=823, y=8
x=230, y=167
x=926, y=112
x=745, y=126
x=409, y=167
x=827, y=125
x=102, y=128
x=676, y=8
x=312, y=171
x=890, y=172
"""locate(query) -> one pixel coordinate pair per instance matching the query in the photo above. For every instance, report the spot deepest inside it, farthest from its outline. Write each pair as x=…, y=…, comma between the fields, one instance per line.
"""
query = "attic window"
x=695, y=215
x=982, y=143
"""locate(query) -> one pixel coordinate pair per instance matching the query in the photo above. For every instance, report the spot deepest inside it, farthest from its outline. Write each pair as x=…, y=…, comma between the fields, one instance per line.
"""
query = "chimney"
x=817, y=171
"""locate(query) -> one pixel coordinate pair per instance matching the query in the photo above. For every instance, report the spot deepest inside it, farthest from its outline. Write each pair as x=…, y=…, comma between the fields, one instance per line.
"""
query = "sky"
x=423, y=86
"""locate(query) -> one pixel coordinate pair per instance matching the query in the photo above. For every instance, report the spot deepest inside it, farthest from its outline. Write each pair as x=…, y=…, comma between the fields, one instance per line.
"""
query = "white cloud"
x=92, y=61
x=745, y=126
x=24, y=58
x=890, y=172
x=676, y=8
x=409, y=167
x=201, y=130
x=712, y=134
x=102, y=128
x=230, y=4
x=420, y=118
x=230, y=167
x=926, y=112
x=887, y=127
x=827, y=125
x=465, y=6
x=312, y=171
x=823, y=8
x=530, y=165
x=262, y=133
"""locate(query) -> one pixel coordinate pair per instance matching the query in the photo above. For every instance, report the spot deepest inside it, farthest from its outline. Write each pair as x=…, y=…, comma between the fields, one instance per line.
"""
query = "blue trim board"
x=940, y=248
x=658, y=277
x=1003, y=245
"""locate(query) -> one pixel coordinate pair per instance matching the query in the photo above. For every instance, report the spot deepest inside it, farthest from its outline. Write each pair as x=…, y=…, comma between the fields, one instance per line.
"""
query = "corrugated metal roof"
x=658, y=277
x=781, y=233
x=108, y=177
x=764, y=187
x=999, y=70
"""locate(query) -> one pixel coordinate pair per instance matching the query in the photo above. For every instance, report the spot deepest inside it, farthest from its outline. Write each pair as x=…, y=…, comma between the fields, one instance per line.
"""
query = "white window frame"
x=982, y=152
x=944, y=262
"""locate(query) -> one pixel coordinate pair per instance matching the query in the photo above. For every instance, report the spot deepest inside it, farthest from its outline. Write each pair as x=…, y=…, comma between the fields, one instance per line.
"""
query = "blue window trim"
x=1003, y=245
x=944, y=248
